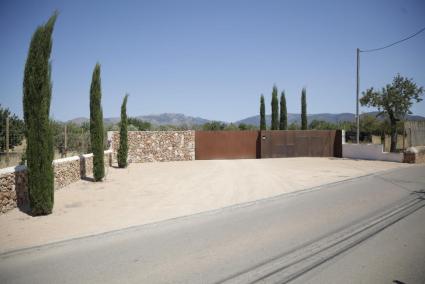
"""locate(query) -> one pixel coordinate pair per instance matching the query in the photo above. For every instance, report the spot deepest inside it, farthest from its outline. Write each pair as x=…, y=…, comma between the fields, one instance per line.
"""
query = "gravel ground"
x=151, y=192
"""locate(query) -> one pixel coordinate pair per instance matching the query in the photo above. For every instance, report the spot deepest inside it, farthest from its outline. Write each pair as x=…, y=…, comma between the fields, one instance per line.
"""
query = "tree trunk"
x=393, y=136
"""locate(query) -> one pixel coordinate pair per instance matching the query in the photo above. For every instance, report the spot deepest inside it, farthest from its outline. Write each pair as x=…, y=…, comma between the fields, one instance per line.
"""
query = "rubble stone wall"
x=13, y=180
x=13, y=188
x=156, y=146
x=415, y=155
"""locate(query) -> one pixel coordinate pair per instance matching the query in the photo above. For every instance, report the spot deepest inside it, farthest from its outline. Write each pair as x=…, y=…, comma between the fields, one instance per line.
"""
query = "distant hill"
x=176, y=119
x=78, y=120
x=328, y=117
x=179, y=119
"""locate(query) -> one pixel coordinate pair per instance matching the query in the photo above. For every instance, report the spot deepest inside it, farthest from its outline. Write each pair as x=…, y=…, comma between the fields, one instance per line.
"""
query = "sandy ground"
x=151, y=192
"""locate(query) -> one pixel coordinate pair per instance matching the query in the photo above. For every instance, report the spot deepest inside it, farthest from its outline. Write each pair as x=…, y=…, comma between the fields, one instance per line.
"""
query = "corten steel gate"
x=301, y=143
x=210, y=145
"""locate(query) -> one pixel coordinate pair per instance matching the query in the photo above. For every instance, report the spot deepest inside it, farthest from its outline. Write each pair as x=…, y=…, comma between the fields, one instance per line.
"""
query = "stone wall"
x=13, y=180
x=156, y=146
x=13, y=188
x=415, y=155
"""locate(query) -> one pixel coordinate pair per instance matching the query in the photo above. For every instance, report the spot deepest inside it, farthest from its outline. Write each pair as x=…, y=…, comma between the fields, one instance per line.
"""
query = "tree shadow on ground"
x=86, y=178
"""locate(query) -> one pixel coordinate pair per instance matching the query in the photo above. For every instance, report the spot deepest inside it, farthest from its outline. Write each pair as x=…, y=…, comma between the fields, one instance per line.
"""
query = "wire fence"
x=68, y=140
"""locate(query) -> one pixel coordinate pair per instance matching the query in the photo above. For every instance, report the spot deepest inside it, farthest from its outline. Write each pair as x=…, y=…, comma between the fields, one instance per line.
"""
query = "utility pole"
x=7, y=141
x=357, y=97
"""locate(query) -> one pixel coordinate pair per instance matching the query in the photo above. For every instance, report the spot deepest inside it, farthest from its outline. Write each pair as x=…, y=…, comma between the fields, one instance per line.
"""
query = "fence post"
x=83, y=144
x=66, y=141
x=7, y=141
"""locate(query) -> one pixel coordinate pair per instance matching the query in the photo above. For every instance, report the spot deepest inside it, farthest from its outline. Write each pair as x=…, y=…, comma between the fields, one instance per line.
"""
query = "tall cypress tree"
x=123, y=148
x=283, y=113
x=96, y=125
x=303, y=110
x=275, y=109
x=37, y=94
x=262, y=114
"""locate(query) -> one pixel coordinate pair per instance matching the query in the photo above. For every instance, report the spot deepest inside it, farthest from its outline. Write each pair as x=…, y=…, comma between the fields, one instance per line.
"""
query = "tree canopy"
x=37, y=95
x=303, y=110
x=275, y=110
x=393, y=101
x=96, y=125
x=262, y=114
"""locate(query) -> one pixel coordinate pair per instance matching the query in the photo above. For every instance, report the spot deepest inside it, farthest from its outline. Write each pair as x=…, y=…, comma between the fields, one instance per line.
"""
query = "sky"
x=212, y=59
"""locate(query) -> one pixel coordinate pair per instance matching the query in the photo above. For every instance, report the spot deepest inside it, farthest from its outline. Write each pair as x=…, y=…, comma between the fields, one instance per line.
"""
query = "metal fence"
x=12, y=144
x=267, y=144
x=210, y=145
x=301, y=143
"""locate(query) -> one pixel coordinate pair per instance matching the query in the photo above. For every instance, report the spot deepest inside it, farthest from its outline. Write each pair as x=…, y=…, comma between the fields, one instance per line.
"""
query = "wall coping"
x=153, y=131
x=9, y=170
x=21, y=168
x=370, y=152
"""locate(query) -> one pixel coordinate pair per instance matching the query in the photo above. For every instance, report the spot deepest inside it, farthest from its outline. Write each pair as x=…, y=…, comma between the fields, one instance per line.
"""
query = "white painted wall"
x=369, y=152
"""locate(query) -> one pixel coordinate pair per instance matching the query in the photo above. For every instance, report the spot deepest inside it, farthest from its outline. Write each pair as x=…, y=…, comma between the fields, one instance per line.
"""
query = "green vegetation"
x=123, y=148
x=214, y=126
x=78, y=138
x=37, y=93
x=16, y=129
x=322, y=125
x=262, y=114
x=139, y=124
x=303, y=110
x=275, y=110
x=293, y=126
x=369, y=124
x=283, y=125
x=96, y=125
x=217, y=126
x=244, y=126
x=394, y=102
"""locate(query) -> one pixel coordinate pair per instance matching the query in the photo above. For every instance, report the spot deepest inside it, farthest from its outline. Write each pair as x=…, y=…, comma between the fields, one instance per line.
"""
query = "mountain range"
x=178, y=119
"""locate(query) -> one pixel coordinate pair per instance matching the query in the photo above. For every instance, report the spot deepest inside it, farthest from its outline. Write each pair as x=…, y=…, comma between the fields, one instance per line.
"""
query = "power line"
x=394, y=43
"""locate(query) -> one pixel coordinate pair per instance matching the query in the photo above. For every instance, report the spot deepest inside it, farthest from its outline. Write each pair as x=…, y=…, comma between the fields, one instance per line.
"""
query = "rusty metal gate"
x=301, y=143
x=210, y=145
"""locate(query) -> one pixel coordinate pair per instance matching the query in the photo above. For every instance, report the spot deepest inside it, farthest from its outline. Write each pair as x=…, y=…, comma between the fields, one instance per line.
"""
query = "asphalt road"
x=313, y=235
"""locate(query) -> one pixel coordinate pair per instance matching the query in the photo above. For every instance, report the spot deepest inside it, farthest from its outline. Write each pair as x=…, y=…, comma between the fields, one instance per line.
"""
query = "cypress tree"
x=37, y=94
x=283, y=113
x=262, y=114
x=303, y=110
x=275, y=109
x=123, y=148
x=96, y=125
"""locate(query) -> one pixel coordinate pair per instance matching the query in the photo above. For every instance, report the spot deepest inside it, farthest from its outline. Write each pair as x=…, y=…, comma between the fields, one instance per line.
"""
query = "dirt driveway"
x=151, y=192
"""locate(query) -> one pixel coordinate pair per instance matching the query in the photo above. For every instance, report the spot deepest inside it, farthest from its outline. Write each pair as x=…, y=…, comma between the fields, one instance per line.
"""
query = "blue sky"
x=212, y=59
